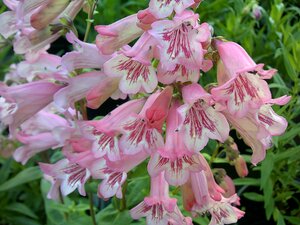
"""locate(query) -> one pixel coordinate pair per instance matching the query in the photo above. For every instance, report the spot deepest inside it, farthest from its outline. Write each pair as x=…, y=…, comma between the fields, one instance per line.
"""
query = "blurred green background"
x=269, y=195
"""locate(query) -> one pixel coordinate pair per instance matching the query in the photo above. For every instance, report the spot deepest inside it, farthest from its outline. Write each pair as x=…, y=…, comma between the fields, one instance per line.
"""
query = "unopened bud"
x=241, y=166
x=256, y=12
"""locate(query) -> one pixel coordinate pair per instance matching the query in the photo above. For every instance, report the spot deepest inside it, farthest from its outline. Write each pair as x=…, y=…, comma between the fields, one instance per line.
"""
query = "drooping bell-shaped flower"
x=134, y=67
x=174, y=158
x=36, y=135
x=200, y=121
x=180, y=40
x=67, y=176
x=94, y=86
x=106, y=131
x=258, y=127
x=164, y=8
x=114, y=173
x=85, y=55
x=241, y=81
x=142, y=132
x=114, y=36
x=222, y=212
x=46, y=66
x=159, y=208
x=21, y=102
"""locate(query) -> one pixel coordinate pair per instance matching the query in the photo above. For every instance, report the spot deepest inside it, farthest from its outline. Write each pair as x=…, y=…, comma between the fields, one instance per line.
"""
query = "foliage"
x=275, y=183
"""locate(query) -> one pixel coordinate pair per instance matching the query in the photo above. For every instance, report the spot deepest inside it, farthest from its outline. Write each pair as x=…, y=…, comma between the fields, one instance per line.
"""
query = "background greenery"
x=269, y=195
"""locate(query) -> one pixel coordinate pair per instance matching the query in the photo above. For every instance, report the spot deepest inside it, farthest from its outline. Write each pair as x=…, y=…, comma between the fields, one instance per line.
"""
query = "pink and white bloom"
x=159, y=208
x=180, y=40
x=67, y=176
x=114, y=174
x=134, y=67
x=241, y=81
x=106, y=131
x=94, y=86
x=199, y=120
x=222, y=212
x=164, y=8
x=174, y=158
x=142, y=132
x=46, y=66
x=21, y=102
x=36, y=135
x=114, y=36
x=86, y=55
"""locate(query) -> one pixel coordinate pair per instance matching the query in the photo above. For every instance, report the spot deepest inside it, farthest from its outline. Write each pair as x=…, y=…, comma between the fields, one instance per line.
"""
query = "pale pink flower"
x=174, y=158
x=23, y=101
x=159, y=208
x=67, y=176
x=94, y=86
x=142, y=132
x=114, y=174
x=180, y=40
x=86, y=55
x=134, y=67
x=106, y=131
x=199, y=120
x=222, y=212
x=146, y=18
x=46, y=66
x=114, y=36
x=241, y=81
x=164, y=8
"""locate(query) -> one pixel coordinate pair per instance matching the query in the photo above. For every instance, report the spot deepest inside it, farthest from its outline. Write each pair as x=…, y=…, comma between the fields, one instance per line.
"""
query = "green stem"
x=89, y=20
x=214, y=155
x=92, y=209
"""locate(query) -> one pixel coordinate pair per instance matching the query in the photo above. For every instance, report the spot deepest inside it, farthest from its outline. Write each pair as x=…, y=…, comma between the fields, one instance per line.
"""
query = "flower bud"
x=256, y=12
x=241, y=167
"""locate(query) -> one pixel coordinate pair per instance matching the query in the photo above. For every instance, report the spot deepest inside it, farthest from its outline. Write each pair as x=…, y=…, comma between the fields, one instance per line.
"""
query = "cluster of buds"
x=168, y=119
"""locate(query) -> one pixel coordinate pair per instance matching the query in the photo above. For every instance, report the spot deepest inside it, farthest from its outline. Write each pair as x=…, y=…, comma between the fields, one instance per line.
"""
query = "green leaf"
x=293, y=219
x=254, y=196
x=266, y=169
x=111, y=216
x=25, y=176
x=21, y=208
x=246, y=181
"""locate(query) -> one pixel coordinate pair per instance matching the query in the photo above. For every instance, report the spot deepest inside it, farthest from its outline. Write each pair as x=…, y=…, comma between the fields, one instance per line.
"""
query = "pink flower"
x=142, y=132
x=46, y=66
x=199, y=120
x=164, y=8
x=180, y=40
x=114, y=174
x=17, y=108
x=114, y=36
x=258, y=127
x=37, y=136
x=146, y=18
x=66, y=175
x=241, y=81
x=134, y=67
x=159, y=208
x=106, y=131
x=174, y=159
x=222, y=211
x=47, y=13
x=94, y=86
x=81, y=57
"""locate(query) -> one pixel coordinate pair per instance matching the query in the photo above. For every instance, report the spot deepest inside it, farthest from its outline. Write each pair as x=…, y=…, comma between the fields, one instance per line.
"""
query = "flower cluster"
x=168, y=119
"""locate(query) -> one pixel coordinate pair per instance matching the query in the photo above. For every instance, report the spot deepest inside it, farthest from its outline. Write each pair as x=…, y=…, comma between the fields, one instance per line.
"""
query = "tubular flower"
x=180, y=40
x=142, y=132
x=174, y=158
x=159, y=208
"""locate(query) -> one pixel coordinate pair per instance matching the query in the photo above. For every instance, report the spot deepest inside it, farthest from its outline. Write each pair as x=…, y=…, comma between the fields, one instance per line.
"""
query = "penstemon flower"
x=169, y=117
